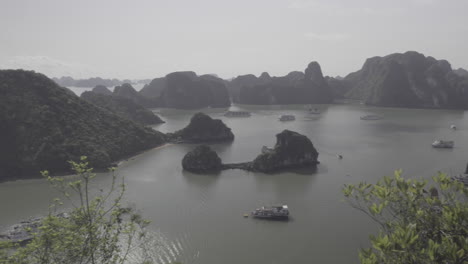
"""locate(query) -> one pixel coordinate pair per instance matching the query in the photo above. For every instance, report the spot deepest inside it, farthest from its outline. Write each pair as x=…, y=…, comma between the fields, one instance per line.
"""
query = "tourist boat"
x=237, y=114
x=276, y=212
x=371, y=117
x=442, y=144
x=287, y=118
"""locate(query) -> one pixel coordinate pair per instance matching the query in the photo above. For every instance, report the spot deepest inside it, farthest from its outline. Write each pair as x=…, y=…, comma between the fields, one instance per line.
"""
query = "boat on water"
x=314, y=111
x=237, y=114
x=371, y=117
x=453, y=127
x=276, y=212
x=287, y=118
x=443, y=144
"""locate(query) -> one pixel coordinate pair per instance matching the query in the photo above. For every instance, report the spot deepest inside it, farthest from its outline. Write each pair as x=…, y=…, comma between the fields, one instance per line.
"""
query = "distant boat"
x=314, y=111
x=454, y=127
x=237, y=114
x=442, y=144
x=287, y=118
x=371, y=117
x=277, y=212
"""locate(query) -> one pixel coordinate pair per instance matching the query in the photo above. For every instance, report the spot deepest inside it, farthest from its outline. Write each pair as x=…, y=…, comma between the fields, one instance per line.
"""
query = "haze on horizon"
x=150, y=38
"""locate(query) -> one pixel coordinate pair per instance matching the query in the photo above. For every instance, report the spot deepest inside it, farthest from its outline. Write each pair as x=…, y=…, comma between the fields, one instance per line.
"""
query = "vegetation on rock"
x=186, y=90
x=123, y=107
x=203, y=128
x=295, y=88
x=44, y=125
x=408, y=80
x=202, y=159
x=291, y=150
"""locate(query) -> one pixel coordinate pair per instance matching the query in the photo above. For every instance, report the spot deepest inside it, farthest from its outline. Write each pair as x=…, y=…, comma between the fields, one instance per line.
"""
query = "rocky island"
x=202, y=159
x=44, y=126
x=292, y=150
x=202, y=128
x=187, y=90
x=126, y=90
x=308, y=87
x=409, y=80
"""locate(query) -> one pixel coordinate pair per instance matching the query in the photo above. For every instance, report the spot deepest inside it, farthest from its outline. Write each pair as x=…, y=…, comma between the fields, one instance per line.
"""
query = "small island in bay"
x=201, y=129
x=202, y=159
x=292, y=150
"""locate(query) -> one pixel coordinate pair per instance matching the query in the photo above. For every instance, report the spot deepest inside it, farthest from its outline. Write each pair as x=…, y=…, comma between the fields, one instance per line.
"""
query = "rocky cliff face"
x=44, y=126
x=186, y=90
x=202, y=128
x=127, y=91
x=295, y=88
x=292, y=150
x=202, y=160
x=408, y=80
x=124, y=107
x=101, y=89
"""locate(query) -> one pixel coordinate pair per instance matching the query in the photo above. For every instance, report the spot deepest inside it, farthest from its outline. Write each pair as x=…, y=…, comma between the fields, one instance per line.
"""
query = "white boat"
x=237, y=114
x=371, y=117
x=287, y=118
x=443, y=144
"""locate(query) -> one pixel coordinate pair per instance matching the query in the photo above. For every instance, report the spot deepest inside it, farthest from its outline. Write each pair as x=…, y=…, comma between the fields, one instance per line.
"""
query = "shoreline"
x=115, y=163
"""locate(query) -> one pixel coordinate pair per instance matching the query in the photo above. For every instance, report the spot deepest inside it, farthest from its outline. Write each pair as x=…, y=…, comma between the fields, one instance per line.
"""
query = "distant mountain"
x=408, y=80
x=101, y=89
x=126, y=90
x=186, y=90
x=44, y=125
x=295, y=88
x=122, y=106
x=90, y=82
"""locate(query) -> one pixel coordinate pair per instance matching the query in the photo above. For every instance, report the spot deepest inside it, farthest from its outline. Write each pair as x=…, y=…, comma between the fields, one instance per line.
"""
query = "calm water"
x=198, y=218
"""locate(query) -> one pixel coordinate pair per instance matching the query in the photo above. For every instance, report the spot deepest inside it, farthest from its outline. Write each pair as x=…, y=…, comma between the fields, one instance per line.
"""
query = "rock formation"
x=202, y=160
x=186, y=90
x=202, y=128
x=101, y=89
x=292, y=150
x=126, y=90
x=123, y=107
x=44, y=126
x=295, y=88
x=408, y=80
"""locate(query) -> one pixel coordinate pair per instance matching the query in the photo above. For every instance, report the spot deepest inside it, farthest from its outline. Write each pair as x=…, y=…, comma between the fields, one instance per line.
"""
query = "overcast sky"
x=150, y=38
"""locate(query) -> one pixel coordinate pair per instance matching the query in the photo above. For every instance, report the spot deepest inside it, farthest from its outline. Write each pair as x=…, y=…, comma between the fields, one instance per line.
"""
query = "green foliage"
x=98, y=229
x=416, y=225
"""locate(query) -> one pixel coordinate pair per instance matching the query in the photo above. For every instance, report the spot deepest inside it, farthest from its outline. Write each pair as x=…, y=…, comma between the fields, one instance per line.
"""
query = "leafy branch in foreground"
x=416, y=225
x=97, y=229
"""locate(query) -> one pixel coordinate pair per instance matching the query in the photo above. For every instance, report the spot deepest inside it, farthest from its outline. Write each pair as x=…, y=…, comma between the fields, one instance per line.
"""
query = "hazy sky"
x=150, y=38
